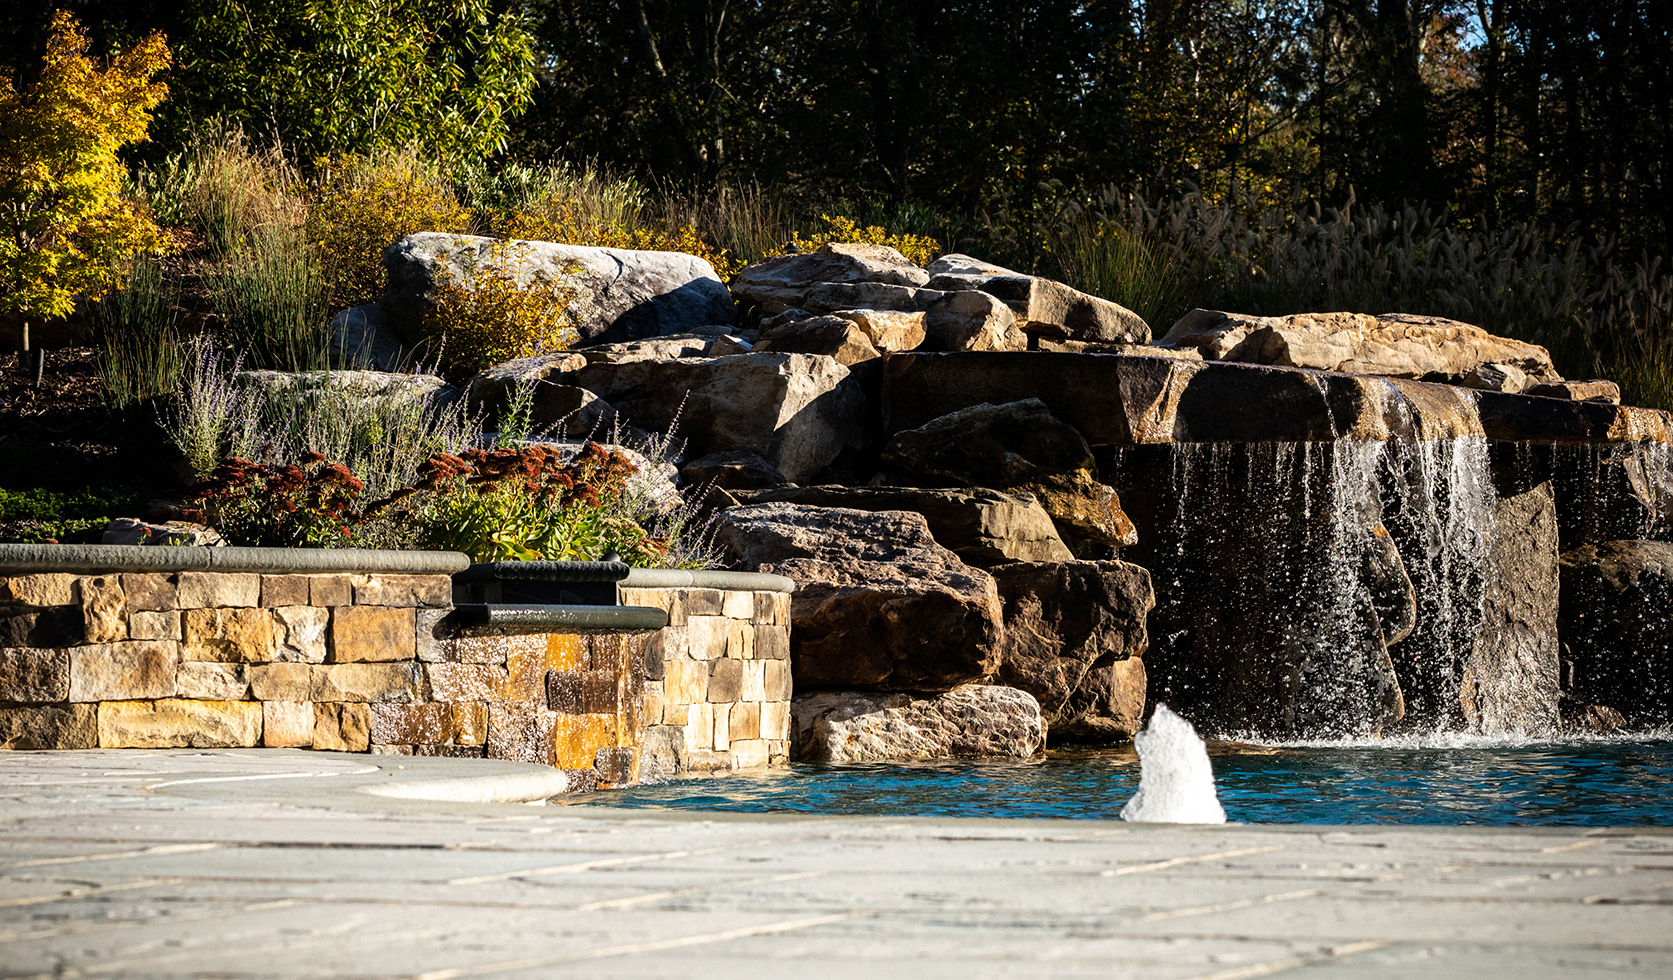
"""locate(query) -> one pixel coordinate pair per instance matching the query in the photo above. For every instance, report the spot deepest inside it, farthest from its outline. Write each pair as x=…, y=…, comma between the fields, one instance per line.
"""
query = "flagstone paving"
x=278, y=863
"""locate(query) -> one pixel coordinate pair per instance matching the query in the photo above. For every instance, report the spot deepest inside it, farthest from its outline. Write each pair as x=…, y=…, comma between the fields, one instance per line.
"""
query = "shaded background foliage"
x=1505, y=110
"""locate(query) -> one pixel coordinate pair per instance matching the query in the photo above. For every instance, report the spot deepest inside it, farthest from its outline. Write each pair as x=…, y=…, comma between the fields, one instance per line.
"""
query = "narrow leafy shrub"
x=527, y=504
x=138, y=333
x=308, y=504
x=1626, y=331
x=918, y=248
x=223, y=192
x=362, y=204
x=494, y=311
x=746, y=223
x=1117, y=264
x=269, y=294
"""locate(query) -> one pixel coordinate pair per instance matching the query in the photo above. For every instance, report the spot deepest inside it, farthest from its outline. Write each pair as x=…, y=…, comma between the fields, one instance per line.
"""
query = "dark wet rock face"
x=1614, y=621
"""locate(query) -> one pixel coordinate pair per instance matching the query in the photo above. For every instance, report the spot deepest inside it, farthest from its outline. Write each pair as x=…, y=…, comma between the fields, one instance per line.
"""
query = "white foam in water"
x=1176, y=781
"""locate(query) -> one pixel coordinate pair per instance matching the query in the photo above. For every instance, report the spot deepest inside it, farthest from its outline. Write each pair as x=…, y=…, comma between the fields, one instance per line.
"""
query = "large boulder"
x=1048, y=308
x=555, y=406
x=278, y=389
x=971, y=320
x=1616, y=621
x=620, y=294
x=362, y=339
x=878, y=603
x=983, y=527
x=1118, y=400
x=792, y=410
x=972, y=721
x=963, y=320
x=779, y=283
x=1074, y=636
x=891, y=331
x=990, y=446
x=1019, y=446
x=1399, y=345
x=838, y=337
x=959, y=264
x=736, y=469
x=666, y=348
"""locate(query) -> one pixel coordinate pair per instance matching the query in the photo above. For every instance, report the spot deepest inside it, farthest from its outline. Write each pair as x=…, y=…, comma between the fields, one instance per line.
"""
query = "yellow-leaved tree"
x=65, y=228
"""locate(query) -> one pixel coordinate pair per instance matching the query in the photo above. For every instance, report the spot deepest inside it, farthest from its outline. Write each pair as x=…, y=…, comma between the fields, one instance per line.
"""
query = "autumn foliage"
x=65, y=227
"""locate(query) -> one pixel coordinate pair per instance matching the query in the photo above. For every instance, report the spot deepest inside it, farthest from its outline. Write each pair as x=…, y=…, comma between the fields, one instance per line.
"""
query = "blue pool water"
x=1582, y=783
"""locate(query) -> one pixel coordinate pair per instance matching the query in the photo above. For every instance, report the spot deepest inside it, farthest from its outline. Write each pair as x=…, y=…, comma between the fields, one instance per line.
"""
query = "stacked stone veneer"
x=352, y=662
x=218, y=659
x=717, y=679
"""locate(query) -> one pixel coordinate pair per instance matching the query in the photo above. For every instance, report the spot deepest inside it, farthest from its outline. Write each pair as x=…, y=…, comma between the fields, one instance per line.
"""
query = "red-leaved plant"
x=526, y=504
x=308, y=504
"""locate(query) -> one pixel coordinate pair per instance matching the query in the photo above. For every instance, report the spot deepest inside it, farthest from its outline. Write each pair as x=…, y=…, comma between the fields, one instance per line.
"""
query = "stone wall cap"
x=17, y=559
x=675, y=578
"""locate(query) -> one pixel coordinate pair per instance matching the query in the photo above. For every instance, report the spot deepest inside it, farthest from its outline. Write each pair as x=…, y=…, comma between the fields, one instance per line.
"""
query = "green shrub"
x=36, y=516
x=308, y=504
x=364, y=203
x=527, y=504
x=494, y=312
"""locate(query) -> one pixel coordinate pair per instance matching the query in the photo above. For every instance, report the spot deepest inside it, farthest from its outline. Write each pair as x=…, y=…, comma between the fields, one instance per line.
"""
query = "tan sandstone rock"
x=175, y=723
x=123, y=671
x=287, y=724
x=974, y=720
x=1397, y=345
x=50, y=726
x=232, y=635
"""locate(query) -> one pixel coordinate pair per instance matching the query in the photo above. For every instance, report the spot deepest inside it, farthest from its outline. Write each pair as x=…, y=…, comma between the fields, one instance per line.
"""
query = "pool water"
x=1449, y=782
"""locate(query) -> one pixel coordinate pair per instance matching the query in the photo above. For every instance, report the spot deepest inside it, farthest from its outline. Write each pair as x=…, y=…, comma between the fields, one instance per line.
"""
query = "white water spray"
x=1176, y=781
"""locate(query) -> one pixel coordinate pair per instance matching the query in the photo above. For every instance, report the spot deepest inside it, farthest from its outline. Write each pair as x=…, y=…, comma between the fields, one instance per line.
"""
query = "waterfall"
x=1439, y=508
x=1265, y=622
x=1285, y=574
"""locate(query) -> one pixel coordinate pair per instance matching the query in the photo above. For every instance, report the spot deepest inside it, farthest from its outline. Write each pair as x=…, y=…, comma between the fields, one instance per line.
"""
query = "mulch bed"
x=59, y=436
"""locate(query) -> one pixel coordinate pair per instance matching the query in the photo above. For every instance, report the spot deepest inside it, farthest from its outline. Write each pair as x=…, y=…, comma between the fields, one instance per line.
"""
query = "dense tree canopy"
x=1495, y=109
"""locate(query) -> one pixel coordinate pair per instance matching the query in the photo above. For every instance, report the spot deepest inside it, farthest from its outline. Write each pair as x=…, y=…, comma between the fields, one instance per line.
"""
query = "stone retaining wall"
x=352, y=662
x=717, y=679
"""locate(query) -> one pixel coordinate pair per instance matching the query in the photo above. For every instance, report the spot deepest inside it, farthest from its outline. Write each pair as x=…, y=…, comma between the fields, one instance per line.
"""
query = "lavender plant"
x=220, y=412
x=213, y=416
